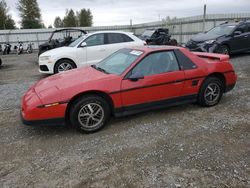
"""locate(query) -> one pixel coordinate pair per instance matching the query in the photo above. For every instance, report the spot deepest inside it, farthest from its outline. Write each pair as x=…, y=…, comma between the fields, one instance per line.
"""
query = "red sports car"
x=127, y=82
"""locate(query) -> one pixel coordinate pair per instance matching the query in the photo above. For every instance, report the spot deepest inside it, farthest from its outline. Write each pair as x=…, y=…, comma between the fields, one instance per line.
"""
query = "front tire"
x=223, y=49
x=210, y=92
x=89, y=113
x=64, y=65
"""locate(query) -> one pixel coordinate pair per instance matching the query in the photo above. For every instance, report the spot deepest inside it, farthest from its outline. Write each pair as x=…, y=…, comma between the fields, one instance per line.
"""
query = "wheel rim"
x=224, y=50
x=212, y=93
x=64, y=67
x=90, y=115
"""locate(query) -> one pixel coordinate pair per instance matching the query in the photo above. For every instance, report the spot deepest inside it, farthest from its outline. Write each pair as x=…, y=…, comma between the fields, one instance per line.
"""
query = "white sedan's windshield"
x=77, y=41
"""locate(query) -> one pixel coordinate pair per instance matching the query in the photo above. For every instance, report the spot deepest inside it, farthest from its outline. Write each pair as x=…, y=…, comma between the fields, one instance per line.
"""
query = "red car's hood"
x=68, y=79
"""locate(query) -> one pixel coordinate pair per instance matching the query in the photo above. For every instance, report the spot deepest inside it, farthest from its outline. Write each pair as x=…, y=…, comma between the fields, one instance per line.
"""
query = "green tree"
x=6, y=22
x=85, y=18
x=70, y=19
x=30, y=14
x=58, y=22
x=10, y=23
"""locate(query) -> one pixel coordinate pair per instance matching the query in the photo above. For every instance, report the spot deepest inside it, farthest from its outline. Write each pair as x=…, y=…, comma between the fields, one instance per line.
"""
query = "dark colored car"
x=158, y=36
x=227, y=38
x=61, y=37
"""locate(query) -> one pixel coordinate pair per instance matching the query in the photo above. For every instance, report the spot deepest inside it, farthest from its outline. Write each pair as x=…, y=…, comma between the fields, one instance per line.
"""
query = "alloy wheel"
x=212, y=93
x=64, y=67
x=90, y=115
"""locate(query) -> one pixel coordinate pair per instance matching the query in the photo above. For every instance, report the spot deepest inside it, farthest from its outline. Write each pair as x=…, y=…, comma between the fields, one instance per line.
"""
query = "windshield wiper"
x=100, y=69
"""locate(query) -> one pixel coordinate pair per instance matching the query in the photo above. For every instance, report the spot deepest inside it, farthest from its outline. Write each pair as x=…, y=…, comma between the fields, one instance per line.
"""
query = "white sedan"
x=86, y=50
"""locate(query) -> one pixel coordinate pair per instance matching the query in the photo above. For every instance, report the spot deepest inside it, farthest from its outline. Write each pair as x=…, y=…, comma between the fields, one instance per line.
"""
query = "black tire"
x=223, y=49
x=210, y=92
x=173, y=42
x=63, y=63
x=86, y=109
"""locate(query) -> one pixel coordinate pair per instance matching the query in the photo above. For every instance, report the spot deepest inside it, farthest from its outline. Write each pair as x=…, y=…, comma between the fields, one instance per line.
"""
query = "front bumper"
x=33, y=111
x=46, y=67
x=48, y=122
x=202, y=47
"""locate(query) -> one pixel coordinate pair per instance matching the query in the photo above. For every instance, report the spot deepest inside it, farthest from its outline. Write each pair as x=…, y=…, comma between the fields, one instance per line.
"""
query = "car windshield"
x=77, y=41
x=118, y=62
x=221, y=30
x=147, y=34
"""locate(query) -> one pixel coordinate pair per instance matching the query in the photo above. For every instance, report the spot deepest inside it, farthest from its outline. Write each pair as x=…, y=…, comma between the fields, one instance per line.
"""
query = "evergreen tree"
x=85, y=18
x=30, y=14
x=58, y=22
x=6, y=22
x=10, y=23
x=70, y=19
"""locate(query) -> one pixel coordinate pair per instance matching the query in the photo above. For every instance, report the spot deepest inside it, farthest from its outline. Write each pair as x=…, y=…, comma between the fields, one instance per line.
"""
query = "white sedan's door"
x=81, y=56
x=96, y=49
x=118, y=41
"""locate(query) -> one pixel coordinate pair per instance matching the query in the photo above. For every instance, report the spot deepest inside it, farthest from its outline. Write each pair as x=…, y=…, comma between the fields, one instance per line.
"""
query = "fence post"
x=204, y=18
x=180, y=32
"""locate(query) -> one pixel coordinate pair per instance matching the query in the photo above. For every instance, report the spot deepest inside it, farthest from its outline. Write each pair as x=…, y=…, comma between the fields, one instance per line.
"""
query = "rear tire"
x=210, y=92
x=64, y=65
x=173, y=42
x=89, y=113
x=223, y=49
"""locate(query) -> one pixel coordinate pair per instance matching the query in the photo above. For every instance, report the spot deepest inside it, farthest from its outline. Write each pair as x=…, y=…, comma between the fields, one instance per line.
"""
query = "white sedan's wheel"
x=64, y=65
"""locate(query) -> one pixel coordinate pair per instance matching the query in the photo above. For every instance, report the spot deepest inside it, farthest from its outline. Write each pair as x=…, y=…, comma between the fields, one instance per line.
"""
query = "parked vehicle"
x=7, y=49
x=61, y=37
x=127, y=82
x=29, y=49
x=227, y=38
x=88, y=49
x=19, y=48
x=158, y=36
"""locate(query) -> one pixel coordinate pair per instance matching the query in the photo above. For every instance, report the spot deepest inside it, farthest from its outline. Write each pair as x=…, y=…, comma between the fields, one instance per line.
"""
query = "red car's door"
x=162, y=80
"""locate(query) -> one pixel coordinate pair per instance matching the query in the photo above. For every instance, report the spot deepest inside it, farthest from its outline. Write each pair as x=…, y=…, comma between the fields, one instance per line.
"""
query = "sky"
x=119, y=12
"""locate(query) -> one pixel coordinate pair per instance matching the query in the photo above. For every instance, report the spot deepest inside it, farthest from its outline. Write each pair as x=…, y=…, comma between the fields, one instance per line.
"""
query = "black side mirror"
x=237, y=33
x=135, y=77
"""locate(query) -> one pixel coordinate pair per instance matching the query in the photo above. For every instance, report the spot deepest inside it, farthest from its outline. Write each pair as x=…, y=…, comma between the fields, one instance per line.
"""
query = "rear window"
x=118, y=38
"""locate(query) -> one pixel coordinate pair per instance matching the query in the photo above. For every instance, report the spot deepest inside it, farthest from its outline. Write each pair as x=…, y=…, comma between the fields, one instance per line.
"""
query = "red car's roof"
x=155, y=48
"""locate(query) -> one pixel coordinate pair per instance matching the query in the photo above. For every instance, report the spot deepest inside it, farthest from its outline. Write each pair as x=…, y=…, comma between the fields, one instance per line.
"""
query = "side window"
x=127, y=38
x=95, y=40
x=117, y=38
x=248, y=27
x=157, y=63
x=242, y=28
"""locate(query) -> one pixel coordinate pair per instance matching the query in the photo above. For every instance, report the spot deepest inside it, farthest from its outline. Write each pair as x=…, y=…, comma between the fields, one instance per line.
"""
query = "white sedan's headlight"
x=209, y=41
x=44, y=58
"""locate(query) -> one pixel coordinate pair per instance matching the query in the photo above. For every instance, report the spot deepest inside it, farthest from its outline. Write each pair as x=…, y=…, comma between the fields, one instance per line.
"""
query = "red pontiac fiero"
x=127, y=82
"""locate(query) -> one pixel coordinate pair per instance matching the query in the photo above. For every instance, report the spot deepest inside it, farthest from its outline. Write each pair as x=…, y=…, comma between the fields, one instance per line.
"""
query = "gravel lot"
x=185, y=146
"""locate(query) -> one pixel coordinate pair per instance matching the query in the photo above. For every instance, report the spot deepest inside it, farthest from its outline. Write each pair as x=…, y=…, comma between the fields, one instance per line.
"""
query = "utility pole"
x=131, y=25
x=204, y=17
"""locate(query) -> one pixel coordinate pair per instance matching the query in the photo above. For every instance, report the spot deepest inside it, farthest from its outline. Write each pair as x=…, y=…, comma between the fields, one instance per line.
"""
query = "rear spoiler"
x=214, y=56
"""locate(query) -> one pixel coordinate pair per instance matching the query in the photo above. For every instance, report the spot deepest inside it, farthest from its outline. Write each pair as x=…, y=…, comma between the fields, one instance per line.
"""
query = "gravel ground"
x=185, y=146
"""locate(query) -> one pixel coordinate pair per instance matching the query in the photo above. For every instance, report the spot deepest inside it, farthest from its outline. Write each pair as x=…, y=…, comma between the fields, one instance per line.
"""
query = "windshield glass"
x=118, y=62
x=147, y=34
x=76, y=42
x=221, y=30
